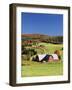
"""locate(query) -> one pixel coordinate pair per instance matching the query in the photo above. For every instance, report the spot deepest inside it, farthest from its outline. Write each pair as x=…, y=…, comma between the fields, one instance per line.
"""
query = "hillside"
x=43, y=38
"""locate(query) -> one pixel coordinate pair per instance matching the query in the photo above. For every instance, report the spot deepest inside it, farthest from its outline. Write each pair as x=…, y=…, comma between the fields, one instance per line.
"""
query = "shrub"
x=26, y=57
x=58, y=53
x=27, y=53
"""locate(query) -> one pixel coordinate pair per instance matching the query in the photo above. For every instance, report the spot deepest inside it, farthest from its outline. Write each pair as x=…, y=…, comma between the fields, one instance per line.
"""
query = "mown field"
x=30, y=68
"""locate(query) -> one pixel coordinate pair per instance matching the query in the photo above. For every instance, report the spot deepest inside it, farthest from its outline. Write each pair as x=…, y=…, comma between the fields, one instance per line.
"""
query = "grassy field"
x=47, y=48
x=50, y=48
x=30, y=68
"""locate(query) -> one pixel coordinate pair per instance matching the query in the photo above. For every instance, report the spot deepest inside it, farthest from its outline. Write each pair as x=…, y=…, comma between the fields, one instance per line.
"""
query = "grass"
x=30, y=68
x=50, y=48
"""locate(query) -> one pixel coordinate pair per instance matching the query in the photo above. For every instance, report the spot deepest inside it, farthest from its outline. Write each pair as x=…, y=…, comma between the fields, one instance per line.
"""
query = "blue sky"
x=36, y=23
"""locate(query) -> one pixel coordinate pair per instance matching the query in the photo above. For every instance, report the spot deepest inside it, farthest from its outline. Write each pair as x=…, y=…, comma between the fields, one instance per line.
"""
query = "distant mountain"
x=42, y=38
x=37, y=36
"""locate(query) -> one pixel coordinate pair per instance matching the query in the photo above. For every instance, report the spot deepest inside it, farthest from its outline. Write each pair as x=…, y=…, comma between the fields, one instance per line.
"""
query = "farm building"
x=45, y=57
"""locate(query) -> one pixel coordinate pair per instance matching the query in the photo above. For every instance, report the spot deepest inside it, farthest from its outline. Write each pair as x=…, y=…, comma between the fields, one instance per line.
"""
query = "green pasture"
x=48, y=48
x=30, y=68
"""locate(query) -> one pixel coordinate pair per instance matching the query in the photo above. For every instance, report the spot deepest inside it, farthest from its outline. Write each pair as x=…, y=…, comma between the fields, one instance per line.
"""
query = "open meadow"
x=31, y=68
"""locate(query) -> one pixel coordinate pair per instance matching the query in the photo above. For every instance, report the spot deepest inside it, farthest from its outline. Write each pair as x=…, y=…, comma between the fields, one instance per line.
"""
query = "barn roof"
x=41, y=56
